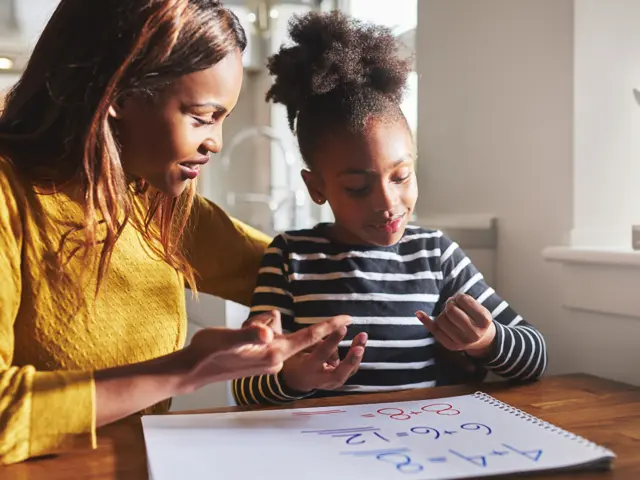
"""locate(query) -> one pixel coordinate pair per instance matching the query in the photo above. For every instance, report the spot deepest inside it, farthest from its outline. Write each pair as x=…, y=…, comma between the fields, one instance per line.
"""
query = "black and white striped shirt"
x=309, y=278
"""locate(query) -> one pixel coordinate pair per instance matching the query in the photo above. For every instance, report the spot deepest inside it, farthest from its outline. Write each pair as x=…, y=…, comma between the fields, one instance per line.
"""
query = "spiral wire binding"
x=541, y=423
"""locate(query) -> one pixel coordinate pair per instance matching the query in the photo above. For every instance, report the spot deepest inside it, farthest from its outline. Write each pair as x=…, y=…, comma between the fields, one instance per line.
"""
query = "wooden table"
x=603, y=411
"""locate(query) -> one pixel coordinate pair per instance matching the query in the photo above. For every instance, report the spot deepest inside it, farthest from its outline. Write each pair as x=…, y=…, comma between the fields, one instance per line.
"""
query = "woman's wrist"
x=121, y=391
x=181, y=368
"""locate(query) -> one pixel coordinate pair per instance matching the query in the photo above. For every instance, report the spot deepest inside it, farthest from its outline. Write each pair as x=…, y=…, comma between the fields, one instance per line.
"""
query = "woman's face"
x=167, y=139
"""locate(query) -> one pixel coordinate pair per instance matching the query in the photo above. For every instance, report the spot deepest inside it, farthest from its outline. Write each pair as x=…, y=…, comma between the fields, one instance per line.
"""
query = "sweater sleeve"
x=41, y=413
x=224, y=252
x=520, y=351
x=273, y=292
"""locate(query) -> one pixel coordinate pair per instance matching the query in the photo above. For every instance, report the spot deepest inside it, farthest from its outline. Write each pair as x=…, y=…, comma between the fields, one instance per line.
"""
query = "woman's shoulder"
x=7, y=168
x=12, y=195
x=10, y=184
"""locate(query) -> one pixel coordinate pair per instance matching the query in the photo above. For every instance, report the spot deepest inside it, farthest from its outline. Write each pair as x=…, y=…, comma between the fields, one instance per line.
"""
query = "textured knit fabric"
x=53, y=336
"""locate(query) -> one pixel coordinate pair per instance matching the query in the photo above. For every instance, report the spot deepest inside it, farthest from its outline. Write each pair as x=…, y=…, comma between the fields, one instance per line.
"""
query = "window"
x=402, y=19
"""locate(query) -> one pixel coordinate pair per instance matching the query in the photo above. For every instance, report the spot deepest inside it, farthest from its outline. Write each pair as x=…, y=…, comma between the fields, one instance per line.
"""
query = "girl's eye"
x=357, y=192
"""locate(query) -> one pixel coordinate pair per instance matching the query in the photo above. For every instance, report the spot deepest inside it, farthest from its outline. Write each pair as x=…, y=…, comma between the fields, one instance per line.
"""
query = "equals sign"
x=368, y=415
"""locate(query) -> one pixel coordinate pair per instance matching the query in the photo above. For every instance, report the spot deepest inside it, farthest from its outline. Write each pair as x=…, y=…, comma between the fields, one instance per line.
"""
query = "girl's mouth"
x=392, y=225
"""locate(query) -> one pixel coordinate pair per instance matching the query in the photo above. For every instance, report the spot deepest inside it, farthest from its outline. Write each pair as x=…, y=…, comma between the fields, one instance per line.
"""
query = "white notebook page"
x=448, y=438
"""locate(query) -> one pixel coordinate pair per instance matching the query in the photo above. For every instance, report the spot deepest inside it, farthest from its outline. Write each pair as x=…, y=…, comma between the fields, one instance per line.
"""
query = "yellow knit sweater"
x=53, y=336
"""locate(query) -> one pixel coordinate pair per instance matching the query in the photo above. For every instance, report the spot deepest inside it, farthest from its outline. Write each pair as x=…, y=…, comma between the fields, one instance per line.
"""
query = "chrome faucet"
x=293, y=198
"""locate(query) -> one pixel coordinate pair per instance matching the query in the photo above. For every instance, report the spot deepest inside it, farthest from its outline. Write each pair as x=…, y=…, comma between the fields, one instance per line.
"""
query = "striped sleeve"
x=272, y=292
x=520, y=351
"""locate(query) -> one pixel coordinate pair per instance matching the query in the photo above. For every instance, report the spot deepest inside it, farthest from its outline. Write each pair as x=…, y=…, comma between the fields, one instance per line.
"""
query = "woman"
x=101, y=142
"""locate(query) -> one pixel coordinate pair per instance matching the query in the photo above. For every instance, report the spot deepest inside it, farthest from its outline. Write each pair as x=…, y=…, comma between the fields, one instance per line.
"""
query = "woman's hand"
x=214, y=355
x=219, y=354
x=319, y=367
x=463, y=325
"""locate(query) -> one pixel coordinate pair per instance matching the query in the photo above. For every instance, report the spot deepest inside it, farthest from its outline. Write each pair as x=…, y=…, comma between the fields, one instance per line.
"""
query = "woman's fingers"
x=271, y=319
x=290, y=344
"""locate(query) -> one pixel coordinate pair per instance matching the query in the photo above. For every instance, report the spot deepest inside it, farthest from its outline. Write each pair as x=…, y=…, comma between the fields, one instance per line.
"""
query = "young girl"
x=410, y=291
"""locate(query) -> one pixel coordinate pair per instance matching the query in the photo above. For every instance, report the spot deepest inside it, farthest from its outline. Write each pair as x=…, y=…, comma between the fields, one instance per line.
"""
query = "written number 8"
x=394, y=413
x=448, y=410
x=404, y=466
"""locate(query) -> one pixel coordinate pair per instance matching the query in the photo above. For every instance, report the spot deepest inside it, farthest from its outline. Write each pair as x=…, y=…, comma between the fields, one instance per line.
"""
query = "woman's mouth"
x=191, y=169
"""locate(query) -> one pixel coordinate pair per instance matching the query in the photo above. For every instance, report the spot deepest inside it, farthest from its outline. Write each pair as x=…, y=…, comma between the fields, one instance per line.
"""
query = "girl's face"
x=166, y=140
x=369, y=181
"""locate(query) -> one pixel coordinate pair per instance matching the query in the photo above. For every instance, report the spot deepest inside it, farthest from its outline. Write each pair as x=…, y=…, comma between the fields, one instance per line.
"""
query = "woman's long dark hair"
x=55, y=125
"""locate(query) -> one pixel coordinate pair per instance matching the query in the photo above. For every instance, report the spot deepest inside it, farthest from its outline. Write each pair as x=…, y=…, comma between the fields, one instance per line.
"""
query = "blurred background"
x=528, y=137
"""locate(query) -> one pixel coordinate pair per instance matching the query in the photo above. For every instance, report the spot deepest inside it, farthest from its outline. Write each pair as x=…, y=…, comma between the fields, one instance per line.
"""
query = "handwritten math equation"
x=391, y=412
x=408, y=463
x=402, y=458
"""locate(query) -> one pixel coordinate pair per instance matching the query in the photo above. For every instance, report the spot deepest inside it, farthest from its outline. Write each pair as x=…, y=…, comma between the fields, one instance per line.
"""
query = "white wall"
x=33, y=16
x=7, y=80
x=607, y=122
x=526, y=111
x=494, y=135
x=607, y=190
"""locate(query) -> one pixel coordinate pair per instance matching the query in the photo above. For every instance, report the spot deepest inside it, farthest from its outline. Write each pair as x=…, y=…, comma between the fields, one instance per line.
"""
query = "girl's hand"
x=463, y=325
x=320, y=367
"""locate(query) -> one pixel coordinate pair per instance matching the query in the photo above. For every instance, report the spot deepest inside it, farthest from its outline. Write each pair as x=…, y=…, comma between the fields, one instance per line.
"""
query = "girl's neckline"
x=323, y=229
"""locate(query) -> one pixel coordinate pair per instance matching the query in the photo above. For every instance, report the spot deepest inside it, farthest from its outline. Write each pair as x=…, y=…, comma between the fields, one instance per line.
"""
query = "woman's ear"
x=115, y=112
x=314, y=186
x=116, y=109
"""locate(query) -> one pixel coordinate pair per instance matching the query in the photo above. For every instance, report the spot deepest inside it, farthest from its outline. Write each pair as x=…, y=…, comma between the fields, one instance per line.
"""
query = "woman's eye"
x=402, y=177
x=204, y=121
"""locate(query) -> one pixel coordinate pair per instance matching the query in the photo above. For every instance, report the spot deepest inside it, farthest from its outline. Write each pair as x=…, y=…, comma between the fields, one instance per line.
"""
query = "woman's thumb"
x=255, y=334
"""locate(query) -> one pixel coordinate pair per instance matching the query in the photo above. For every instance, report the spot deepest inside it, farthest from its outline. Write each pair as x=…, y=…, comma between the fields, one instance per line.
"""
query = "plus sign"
x=495, y=452
x=416, y=413
x=447, y=432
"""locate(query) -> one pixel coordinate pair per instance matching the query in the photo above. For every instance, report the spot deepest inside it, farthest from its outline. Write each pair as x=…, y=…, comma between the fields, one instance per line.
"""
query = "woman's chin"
x=171, y=188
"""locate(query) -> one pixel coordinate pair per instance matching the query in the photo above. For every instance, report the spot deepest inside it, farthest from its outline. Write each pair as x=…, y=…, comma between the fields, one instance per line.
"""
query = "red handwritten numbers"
x=399, y=414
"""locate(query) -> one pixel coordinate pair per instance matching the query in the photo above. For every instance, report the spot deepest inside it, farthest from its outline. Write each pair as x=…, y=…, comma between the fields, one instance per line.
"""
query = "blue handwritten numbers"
x=476, y=426
x=399, y=458
x=426, y=431
x=477, y=460
x=530, y=454
x=402, y=462
x=481, y=460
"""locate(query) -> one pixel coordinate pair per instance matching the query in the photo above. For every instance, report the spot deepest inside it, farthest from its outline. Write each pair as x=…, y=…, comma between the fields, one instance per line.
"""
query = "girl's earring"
x=319, y=200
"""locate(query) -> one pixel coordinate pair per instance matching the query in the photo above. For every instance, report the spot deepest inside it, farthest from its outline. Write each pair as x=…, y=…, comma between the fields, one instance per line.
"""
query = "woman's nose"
x=212, y=145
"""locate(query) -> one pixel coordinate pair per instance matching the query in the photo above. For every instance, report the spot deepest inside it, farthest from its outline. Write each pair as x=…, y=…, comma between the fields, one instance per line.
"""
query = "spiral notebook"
x=466, y=436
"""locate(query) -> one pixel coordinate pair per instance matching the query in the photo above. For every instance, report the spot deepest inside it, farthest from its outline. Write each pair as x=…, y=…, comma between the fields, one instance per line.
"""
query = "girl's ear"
x=314, y=186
